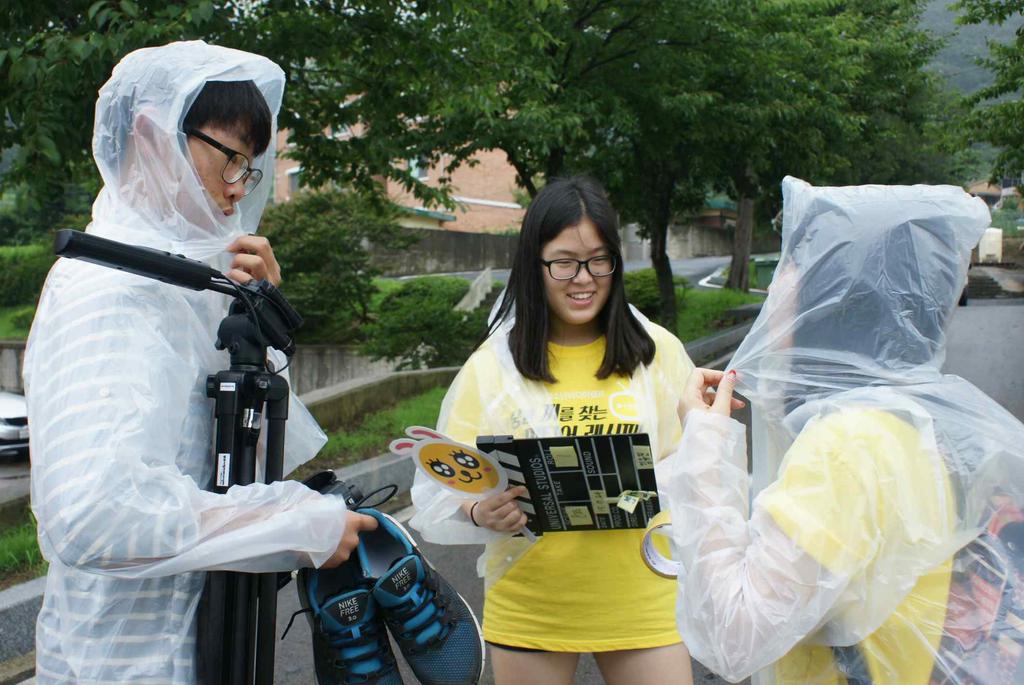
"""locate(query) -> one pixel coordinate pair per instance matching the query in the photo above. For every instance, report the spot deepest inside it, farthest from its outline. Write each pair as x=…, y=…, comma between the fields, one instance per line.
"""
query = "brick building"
x=484, y=193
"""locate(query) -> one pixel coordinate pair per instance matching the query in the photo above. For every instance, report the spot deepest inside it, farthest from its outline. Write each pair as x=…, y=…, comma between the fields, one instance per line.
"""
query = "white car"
x=13, y=425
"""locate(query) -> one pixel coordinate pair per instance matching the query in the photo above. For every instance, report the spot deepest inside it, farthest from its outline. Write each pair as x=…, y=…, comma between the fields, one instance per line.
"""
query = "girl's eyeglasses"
x=567, y=269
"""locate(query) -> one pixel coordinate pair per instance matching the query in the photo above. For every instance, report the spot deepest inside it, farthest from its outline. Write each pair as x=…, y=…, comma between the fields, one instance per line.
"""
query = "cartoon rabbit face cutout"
x=451, y=464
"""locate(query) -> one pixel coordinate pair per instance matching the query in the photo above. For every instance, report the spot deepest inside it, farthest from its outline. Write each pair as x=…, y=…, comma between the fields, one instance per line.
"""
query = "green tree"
x=545, y=82
x=54, y=56
x=536, y=79
x=904, y=134
x=322, y=241
x=997, y=115
x=783, y=102
x=813, y=91
x=651, y=156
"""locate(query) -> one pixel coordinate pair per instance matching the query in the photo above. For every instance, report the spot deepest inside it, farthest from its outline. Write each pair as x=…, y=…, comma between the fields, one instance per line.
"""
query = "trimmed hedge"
x=418, y=326
x=642, y=290
x=23, y=317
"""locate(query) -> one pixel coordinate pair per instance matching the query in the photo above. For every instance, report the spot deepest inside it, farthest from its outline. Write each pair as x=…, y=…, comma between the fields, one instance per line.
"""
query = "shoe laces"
x=370, y=634
x=429, y=600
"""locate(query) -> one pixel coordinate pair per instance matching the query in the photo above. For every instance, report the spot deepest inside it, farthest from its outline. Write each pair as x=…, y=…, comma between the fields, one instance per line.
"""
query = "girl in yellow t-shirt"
x=566, y=355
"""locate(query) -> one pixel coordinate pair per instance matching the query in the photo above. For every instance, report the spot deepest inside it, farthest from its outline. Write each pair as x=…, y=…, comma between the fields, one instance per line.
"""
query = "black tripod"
x=238, y=611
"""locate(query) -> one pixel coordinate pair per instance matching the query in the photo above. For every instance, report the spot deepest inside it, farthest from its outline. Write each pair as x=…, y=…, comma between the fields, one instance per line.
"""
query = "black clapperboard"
x=574, y=482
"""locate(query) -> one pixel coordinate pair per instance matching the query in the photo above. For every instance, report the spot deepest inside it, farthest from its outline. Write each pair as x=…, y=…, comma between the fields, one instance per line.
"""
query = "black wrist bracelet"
x=471, y=514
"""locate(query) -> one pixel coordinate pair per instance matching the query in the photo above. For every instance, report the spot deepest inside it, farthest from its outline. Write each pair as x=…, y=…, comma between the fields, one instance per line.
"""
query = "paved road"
x=457, y=563
x=13, y=479
x=986, y=346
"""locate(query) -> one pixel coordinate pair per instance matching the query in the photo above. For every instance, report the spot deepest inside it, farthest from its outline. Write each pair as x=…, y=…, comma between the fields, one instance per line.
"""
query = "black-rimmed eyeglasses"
x=567, y=269
x=237, y=168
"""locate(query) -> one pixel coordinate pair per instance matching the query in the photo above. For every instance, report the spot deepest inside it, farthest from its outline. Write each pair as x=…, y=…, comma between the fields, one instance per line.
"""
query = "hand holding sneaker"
x=500, y=513
x=355, y=523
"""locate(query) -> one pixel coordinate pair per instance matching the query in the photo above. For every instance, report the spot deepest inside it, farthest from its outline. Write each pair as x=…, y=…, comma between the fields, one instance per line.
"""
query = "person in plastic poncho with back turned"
x=115, y=374
x=884, y=546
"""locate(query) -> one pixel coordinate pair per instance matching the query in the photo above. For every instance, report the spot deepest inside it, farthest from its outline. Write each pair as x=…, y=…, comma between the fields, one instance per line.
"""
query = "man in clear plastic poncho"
x=884, y=544
x=115, y=375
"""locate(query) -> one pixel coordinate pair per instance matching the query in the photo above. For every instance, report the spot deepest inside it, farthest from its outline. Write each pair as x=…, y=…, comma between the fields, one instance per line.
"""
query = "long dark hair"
x=562, y=203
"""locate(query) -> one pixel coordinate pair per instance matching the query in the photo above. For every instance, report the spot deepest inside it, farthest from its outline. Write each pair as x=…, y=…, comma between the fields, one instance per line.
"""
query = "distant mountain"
x=965, y=44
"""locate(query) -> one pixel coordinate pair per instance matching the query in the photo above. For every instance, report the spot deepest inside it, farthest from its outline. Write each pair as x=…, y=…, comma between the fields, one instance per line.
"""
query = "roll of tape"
x=652, y=556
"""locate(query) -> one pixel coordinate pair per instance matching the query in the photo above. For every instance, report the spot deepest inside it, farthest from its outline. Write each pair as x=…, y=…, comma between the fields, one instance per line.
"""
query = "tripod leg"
x=210, y=632
x=215, y=644
x=244, y=611
x=277, y=412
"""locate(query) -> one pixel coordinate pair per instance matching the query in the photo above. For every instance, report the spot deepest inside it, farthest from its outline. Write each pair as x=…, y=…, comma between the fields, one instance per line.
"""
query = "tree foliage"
x=322, y=242
x=54, y=56
x=662, y=101
x=997, y=115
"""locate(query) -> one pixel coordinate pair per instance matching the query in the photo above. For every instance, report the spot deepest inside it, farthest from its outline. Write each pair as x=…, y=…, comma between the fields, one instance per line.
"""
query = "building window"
x=418, y=168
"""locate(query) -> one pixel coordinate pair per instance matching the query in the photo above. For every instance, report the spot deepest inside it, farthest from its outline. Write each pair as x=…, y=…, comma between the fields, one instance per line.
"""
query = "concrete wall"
x=447, y=251
x=318, y=366
x=345, y=404
x=12, y=357
x=478, y=291
x=685, y=242
x=314, y=366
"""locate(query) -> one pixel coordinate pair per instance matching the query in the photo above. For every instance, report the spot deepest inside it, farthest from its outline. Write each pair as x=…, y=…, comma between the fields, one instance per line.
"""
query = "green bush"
x=418, y=326
x=22, y=272
x=22, y=318
x=642, y=290
x=322, y=242
x=702, y=312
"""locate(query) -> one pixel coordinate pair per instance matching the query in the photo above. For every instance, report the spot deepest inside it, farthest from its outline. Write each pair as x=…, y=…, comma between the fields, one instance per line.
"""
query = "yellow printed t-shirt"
x=590, y=591
x=856, y=485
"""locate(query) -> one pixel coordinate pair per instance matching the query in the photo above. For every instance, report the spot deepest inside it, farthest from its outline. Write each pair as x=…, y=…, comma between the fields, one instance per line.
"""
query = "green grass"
x=375, y=433
x=384, y=286
x=700, y=312
x=13, y=322
x=20, y=557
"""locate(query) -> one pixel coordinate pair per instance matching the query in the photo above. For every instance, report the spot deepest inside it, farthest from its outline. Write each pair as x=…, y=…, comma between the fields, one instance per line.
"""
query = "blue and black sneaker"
x=432, y=624
x=350, y=643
